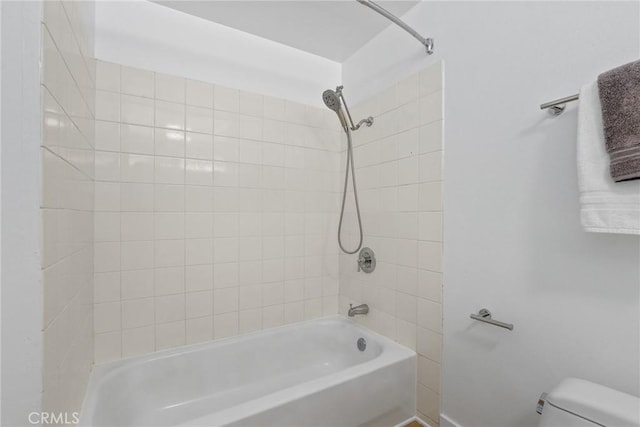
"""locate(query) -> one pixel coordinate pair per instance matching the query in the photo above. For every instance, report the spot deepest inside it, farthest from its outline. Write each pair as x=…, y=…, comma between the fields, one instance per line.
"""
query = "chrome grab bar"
x=484, y=315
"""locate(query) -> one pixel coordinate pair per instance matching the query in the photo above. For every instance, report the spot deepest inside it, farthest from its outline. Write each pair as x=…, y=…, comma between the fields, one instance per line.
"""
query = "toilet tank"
x=580, y=403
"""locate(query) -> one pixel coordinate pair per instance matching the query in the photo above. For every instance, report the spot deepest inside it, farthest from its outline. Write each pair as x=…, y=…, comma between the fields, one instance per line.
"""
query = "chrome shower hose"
x=344, y=196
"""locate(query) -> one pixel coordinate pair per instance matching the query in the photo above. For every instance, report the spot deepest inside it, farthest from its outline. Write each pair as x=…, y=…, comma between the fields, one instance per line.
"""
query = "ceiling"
x=331, y=29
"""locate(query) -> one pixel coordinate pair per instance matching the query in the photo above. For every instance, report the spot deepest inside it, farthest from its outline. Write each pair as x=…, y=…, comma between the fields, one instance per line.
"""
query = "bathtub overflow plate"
x=362, y=344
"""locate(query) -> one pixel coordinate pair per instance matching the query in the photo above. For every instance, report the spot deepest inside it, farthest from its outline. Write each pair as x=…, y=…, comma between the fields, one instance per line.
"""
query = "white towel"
x=605, y=206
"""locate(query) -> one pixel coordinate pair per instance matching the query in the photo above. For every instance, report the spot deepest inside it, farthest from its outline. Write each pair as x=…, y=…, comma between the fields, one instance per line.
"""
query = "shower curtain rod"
x=427, y=42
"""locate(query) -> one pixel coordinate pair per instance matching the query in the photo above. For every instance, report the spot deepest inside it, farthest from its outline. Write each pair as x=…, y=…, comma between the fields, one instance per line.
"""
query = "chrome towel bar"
x=557, y=106
x=484, y=315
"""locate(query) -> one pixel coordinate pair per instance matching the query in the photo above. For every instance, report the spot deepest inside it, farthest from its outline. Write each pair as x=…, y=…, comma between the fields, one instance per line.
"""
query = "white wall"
x=513, y=242
x=151, y=36
x=21, y=174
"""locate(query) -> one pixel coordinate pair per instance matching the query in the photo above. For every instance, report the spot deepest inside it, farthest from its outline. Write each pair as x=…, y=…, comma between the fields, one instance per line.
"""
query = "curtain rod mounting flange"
x=427, y=42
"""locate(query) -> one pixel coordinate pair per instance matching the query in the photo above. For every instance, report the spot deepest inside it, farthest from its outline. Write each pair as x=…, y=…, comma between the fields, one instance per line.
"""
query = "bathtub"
x=305, y=374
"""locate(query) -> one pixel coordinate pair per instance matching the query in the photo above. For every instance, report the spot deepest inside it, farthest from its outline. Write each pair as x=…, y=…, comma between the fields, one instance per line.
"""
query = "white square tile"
x=137, y=255
x=250, y=128
x=225, y=275
x=199, y=146
x=250, y=320
x=171, y=334
x=107, y=166
x=225, y=225
x=199, y=172
x=199, y=120
x=106, y=226
x=293, y=312
x=136, y=168
x=225, y=325
x=430, y=285
x=136, y=226
x=137, y=110
x=136, y=197
x=431, y=108
x=273, y=131
x=169, y=142
x=169, y=170
x=136, y=139
x=226, y=99
x=106, y=257
x=430, y=256
x=106, y=287
x=199, y=199
x=199, y=304
x=137, y=82
x=199, y=278
x=273, y=316
x=225, y=249
x=170, y=308
x=169, y=253
x=169, y=115
x=169, y=198
x=225, y=174
x=107, y=106
x=137, y=284
x=273, y=108
x=429, y=373
x=199, y=94
x=107, y=347
x=431, y=137
x=430, y=315
x=169, y=225
x=431, y=79
x=430, y=196
x=225, y=300
x=198, y=251
x=170, y=88
x=199, y=329
x=169, y=280
x=137, y=312
x=430, y=226
x=430, y=166
x=107, y=76
x=138, y=341
x=226, y=123
x=107, y=135
x=225, y=148
x=106, y=317
x=429, y=344
x=250, y=296
x=251, y=104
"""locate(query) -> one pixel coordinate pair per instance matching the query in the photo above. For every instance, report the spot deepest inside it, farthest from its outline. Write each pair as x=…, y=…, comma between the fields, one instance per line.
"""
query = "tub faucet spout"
x=358, y=309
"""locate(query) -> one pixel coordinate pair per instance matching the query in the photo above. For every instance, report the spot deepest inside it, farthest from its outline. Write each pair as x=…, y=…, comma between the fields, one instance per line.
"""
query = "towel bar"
x=557, y=106
x=484, y=315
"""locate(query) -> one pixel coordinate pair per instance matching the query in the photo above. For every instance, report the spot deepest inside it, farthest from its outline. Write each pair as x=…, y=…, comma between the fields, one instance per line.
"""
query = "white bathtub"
x=306, y=374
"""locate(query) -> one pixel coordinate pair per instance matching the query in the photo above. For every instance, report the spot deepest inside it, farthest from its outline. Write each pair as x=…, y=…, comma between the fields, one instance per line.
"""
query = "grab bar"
x=484, y=315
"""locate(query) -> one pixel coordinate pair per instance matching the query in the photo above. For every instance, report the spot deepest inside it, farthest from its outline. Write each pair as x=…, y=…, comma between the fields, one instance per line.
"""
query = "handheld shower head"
x=332, y=101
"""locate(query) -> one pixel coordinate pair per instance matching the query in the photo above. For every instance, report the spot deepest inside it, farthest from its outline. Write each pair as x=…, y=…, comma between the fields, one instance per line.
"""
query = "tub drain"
x=362, y=344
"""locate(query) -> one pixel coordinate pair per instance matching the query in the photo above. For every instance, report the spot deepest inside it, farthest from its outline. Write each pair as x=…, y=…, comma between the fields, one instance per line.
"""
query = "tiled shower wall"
x=399, y=175
x=215, y=212
x=68, y=75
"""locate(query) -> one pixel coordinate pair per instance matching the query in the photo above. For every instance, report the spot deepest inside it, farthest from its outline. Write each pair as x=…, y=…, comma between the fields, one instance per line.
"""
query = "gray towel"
x=619, y=90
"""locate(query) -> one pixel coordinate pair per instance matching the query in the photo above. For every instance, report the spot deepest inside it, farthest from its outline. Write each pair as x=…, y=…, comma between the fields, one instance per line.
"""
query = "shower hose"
x=344, y=196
